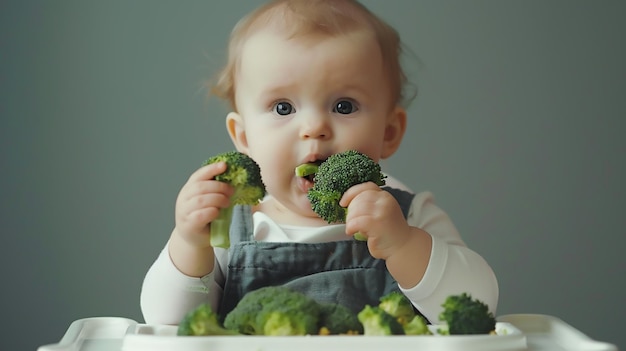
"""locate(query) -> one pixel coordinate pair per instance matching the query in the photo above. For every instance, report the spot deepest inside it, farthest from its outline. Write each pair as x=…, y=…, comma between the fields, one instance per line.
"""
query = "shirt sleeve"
x=453, y=267
x=167, y=294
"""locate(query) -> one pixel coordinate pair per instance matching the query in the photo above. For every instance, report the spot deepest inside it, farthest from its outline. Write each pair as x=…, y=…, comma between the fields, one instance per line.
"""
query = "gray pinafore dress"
x=341, y=272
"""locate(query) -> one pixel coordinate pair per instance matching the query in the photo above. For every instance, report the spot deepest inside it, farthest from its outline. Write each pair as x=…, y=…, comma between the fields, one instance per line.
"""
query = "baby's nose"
x=315, y=127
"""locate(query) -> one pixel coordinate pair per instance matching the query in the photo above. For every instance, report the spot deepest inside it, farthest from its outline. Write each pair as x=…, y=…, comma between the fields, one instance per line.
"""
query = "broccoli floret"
x=334, y=177
x=416, y=326
x=338, y=319
x=289, y=320
x=397, y=305
x=243, y=317
x=244, y=174
x=274, y=310
x=465, y=315
x=400, y=307
x=376, y=321
x=202, y=321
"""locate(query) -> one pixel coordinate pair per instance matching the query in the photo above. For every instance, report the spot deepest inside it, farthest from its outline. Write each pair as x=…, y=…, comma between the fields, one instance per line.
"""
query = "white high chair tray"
x=532, y=332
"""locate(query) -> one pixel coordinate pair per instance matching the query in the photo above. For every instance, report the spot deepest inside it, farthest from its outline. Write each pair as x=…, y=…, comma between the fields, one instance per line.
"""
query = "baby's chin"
x=306, y=213
x=294, y=210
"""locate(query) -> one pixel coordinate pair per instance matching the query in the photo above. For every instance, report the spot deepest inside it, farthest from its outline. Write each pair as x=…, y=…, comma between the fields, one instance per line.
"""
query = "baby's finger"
x=193, y=189
x=208, y=172
x=199, y=210
x=352, y=192
x=202, y=217
x=217, y=200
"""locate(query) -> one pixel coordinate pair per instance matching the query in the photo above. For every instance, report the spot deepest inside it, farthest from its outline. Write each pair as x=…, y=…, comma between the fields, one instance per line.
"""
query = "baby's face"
x=303, y=99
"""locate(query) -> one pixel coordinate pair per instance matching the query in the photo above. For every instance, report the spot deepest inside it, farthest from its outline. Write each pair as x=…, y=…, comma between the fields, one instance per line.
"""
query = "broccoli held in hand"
x=274, y=310
x=202, y=321
x=335, y=176
x=244, y=174
x=376, y=321
x=465, y=315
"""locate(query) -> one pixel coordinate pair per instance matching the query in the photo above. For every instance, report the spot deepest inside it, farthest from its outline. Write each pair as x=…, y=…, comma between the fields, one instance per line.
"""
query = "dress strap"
x=241, y=226
x=403, y=197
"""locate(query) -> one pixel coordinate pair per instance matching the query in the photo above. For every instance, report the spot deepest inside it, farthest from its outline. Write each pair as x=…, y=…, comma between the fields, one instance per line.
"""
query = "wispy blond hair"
x=298, y=18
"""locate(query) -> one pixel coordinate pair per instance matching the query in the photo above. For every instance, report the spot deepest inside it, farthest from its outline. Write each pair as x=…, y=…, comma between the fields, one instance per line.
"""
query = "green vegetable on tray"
x=400, y=307
x=274, y=310
x=280, y=311
x=202, y=321
x=378, y=322
x=465, y=315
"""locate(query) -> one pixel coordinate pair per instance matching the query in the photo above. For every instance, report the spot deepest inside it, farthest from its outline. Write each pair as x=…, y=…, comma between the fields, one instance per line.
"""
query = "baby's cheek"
x=275, y=182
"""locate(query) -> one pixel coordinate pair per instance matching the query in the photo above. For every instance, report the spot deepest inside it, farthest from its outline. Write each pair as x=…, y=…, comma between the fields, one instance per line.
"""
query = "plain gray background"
x=518, y=129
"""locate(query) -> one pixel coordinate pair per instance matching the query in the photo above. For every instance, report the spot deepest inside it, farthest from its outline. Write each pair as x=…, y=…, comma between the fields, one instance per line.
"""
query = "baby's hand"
x=199, y=203
x=375, y=213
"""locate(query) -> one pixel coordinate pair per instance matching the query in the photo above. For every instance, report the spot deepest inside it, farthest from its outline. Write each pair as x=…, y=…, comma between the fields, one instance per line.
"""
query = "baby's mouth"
x=306, y=173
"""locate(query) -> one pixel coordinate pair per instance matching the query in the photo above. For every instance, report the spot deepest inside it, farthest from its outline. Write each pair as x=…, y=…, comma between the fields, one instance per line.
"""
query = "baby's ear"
x=237, y=132
x=394, y=131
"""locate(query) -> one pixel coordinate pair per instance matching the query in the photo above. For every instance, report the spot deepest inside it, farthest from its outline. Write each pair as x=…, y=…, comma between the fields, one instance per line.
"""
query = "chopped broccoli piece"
x=244, y=174
x=465, y=315
x=416, y=326
x=338, y=319
x=398, y=305
x=334, y=177
x=274, y=310
x=243, y=317
x=376, y=321
x=286, y=320
x=202, y=321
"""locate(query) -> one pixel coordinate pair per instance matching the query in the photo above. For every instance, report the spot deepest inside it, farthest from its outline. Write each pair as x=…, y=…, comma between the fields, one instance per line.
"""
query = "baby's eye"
x=345, y=107
x=284, y=108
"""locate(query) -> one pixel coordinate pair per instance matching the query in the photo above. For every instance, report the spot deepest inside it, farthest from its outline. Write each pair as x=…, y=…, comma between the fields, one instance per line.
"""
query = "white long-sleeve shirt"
x=167, y=294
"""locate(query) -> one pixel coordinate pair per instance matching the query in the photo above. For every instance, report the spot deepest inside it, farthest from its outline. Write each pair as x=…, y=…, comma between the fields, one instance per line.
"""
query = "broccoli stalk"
x=465, y=315
x=376, y=321
x=244, y=174
x=220, y=228
x=306, y=169
x=333, y=177
x=202, y=321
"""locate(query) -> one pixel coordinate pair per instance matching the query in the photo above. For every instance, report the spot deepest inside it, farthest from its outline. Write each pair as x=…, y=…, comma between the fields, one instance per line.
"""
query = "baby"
x=307, y=79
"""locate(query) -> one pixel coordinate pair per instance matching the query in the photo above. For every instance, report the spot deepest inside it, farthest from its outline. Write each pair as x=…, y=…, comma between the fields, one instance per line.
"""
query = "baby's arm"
x=172, y=284
x=198, y=203
x=167, y=294
x=453, y=268
x=425, y=253
x=375, y=214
